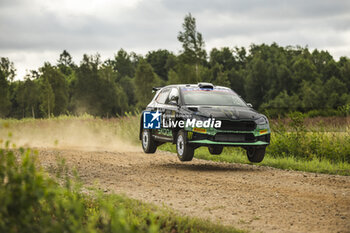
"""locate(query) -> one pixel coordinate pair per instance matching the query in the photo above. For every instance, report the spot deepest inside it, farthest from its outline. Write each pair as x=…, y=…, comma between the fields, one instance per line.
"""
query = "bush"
x=33, y=202
x=302, y=144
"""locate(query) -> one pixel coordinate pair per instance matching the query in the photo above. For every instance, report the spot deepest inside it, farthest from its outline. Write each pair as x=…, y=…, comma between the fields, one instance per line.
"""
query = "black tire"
x=215, y=149
x=149, y=146
x=256, y=154
x=185, y=151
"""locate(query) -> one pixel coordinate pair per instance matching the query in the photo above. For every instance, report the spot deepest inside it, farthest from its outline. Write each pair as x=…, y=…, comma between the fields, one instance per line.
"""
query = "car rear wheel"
x=256, y=154
x=215, y=150
x=185, y=151
x=149, y=146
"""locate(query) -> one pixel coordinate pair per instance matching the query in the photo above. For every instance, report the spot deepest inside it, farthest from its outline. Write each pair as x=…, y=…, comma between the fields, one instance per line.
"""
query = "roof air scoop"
x=206, y=85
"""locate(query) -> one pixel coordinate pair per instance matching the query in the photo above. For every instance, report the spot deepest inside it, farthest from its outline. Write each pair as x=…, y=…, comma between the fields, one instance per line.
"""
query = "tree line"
x=271, y=77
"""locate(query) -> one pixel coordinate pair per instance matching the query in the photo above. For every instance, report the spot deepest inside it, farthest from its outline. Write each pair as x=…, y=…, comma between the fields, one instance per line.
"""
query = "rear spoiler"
x=155, y=89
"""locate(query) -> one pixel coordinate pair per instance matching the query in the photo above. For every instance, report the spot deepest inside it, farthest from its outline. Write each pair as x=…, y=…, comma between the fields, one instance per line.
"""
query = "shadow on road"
x=209, y=167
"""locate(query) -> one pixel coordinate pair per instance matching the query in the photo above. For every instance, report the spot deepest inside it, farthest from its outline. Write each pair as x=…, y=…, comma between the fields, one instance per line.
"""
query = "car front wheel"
x=256, y=154
x=185, y=151
x=149, y=146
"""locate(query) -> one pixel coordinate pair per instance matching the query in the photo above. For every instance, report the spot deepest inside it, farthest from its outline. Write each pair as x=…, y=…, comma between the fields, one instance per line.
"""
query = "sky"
x=35, y=31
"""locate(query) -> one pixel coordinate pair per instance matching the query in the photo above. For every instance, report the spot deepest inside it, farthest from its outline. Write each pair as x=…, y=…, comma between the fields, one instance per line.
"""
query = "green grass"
x=166, y=219
x=31, y=201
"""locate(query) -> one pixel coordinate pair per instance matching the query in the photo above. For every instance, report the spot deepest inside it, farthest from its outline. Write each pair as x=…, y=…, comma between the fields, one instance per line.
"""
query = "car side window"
x=173, y=92
x=163, y=95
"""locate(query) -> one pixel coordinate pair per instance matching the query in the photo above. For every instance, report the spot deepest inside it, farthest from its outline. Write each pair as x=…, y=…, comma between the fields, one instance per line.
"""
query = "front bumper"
x=208, y=142
x=260, y=136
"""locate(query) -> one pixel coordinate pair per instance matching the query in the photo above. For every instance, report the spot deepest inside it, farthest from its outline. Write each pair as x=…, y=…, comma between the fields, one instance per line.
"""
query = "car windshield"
x=217, y=96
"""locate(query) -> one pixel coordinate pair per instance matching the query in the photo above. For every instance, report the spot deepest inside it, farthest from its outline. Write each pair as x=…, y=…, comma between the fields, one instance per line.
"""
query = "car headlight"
x=262, y=120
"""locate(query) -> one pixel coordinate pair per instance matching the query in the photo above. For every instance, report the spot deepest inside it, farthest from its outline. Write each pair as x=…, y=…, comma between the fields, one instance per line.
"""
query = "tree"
x=7, y=73
x=186, y=73
x=96, y=91
x=173, y=78
x=312, y=95
x=47, y=97
x=219, y=77
x=28, y=97
x=65, y=63
x=192, y=43
x=144, y=80
x=58, y=84
x=127, y=85
x=107, y=73
x=240, y=55
x=123, y=64
x=161, y=62
x=237, y=81
x=224, y=57
x=7, y=69
x=344, y=64
x=67, y=67
x=85, y=98
x=303, y=69
x=113, y=99
x=269, y=76
x=335, y=90
x=256, y=82
x=325, y=64
x=283, y=103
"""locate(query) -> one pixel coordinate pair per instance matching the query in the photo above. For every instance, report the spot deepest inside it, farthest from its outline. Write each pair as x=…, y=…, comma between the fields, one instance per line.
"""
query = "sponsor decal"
x=151, y=120
x=192, y=123
x=199, y=130
x=155, y=120
x=263, y=131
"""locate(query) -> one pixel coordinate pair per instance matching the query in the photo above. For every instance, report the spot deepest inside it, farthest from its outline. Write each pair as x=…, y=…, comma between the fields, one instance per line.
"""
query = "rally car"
x=195, y=115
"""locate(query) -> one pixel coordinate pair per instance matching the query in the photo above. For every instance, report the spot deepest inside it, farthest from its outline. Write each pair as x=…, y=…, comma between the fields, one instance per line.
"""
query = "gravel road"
x=259, y=199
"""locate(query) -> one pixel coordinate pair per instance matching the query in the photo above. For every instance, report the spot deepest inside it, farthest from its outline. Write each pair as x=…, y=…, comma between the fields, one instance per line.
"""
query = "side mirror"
x=174, y=100
x=249, y=105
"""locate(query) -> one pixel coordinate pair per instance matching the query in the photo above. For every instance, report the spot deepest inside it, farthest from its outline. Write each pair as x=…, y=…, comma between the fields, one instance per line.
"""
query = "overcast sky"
x=35, y=31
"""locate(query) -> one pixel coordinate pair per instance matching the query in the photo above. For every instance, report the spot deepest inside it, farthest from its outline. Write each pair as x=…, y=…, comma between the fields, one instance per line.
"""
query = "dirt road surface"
x=258, y=199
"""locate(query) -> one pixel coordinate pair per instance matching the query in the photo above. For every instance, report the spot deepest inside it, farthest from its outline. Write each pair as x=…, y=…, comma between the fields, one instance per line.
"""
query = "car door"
x=161, y=107
x=171, y=109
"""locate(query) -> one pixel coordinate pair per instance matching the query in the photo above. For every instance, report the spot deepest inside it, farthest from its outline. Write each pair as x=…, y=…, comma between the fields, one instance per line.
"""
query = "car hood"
x=224, y=112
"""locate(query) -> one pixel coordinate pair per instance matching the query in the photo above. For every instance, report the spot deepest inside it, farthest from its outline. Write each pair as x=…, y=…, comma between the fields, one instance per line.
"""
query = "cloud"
x=39, y=30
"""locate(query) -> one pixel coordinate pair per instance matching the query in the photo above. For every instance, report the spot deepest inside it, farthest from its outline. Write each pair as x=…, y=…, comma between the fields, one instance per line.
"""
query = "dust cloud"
x=90, y=135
